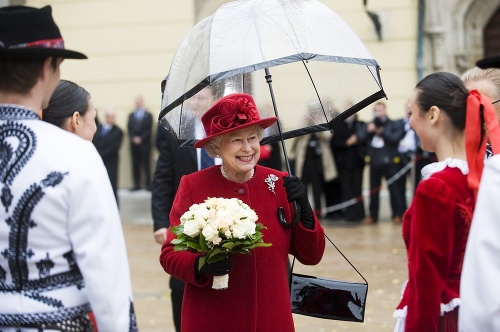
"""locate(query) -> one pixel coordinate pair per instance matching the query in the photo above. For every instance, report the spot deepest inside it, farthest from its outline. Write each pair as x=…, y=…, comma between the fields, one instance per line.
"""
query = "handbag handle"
x=333, y=244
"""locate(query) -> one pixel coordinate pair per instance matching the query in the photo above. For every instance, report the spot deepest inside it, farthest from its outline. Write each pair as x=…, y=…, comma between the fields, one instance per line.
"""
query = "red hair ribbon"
x=475, y=145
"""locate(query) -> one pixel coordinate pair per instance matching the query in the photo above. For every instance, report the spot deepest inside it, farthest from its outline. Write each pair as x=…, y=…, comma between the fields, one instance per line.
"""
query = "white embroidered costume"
x=62, y=251
x=480, y=308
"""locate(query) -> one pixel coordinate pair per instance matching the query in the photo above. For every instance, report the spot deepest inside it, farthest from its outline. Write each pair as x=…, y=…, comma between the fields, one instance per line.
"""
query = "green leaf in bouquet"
x=228, y=245
x=217, y=257
x=181, y=247
x=214, y=252
x=201, y=262
x=177, y=230
x=177, y=241
x=203, y=243
x=194, y=245
x=257, y=236
x=258, y=227
x=262, y=244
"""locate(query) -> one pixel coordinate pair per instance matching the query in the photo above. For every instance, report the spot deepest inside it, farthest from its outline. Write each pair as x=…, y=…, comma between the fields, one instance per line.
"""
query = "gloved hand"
x=296, y=191
x=219, y=268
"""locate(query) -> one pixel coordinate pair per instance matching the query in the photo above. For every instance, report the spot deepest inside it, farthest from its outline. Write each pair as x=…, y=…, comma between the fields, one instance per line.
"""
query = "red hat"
x=230, y=113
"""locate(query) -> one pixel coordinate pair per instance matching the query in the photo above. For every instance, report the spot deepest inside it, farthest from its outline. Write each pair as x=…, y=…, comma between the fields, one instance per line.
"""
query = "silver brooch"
x=271, y=182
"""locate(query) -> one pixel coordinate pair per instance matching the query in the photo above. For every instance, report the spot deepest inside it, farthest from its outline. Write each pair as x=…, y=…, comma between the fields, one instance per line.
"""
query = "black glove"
x=219, y=268
x=296, y=191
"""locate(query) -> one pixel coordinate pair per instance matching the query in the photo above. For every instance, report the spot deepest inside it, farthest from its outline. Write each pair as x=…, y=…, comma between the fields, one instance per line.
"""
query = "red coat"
x=435, y=231
x=258, y=297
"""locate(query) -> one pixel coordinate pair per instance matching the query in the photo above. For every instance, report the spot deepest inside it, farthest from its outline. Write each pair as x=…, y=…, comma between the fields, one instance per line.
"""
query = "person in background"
x=350, y=157
x=411, y=150
x=382, y=136
x=314, y=161
x=139, y=126
x=479, y=289
x=172, y=164
x=107, y=141
x=436, y=225
x=258, y=297
x=333, y=188
x=422, y=159
x=58, y=212
x=406, y=149
x=486, y=81
x=71, y=108
x=270, y=154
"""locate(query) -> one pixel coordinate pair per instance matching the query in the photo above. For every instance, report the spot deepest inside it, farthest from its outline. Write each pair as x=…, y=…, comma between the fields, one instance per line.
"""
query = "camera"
x=377, y=121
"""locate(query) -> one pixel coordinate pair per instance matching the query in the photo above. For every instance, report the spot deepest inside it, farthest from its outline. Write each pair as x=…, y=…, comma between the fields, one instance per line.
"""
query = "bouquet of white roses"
x=218, y=227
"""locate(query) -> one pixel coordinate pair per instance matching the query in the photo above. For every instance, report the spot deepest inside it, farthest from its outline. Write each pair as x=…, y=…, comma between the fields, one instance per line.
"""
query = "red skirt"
x=449, y=322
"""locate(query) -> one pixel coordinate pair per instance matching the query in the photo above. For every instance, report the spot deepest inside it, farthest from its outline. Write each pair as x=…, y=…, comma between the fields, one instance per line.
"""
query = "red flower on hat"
x=234, y=113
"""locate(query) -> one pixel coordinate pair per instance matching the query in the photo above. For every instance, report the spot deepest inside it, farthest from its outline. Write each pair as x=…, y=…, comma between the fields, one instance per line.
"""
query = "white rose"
x=191, y=228
x=217, y=240
x=239, y=232
x=210, y=233
x=249, y=227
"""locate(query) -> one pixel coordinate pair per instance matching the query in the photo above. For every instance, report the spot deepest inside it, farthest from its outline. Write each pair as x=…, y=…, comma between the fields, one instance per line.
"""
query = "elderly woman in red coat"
x=258, y=297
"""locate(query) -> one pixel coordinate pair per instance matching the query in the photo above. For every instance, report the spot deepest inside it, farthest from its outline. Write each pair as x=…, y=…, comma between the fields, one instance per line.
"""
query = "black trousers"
x=333, y=196
x=312, y=174
x=177, y=292
x=398, y=201
x=140, y=160
x=351, y=182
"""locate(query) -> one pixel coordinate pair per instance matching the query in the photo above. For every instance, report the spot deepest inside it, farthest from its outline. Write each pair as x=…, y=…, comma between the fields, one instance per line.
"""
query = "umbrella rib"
x=317, y=94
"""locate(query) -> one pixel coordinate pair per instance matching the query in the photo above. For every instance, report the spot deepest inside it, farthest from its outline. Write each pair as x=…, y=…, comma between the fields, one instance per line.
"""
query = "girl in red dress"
x=436, y=225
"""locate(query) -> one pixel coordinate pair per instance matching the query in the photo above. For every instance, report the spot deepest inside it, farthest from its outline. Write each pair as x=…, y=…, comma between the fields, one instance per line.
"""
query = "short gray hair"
x=212, y=145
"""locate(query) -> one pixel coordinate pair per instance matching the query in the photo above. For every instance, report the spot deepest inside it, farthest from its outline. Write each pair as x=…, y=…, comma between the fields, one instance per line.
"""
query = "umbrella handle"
x=296, y=216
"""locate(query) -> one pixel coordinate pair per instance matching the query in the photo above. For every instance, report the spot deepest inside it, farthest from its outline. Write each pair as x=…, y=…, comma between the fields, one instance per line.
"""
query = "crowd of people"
x=63, y=262
x=334, y=164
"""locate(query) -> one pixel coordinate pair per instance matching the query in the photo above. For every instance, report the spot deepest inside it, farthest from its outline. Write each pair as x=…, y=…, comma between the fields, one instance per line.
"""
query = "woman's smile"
x=246, y=158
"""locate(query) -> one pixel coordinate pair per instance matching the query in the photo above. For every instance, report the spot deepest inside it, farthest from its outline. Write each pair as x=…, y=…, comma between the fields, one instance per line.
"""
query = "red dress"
x=258, y=297
x=435, y=230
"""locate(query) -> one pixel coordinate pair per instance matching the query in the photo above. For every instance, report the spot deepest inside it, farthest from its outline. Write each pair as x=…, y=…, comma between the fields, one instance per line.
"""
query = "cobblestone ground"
x=376, y=251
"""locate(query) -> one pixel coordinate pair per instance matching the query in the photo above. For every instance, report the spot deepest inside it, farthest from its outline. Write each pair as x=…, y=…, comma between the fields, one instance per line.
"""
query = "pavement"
x=377, y=251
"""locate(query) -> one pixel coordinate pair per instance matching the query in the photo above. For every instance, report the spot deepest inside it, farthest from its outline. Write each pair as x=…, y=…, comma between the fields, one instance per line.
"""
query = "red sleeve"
x=180, y=264
x=430, y=253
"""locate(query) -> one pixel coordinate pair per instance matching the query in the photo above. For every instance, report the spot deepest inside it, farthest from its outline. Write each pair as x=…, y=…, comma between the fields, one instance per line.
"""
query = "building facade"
x=131, y=44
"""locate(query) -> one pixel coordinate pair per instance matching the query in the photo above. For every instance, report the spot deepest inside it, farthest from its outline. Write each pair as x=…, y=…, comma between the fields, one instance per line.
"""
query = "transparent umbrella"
x=321, y=71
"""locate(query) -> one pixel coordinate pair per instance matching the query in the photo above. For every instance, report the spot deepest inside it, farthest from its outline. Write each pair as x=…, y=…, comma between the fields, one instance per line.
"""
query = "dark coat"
x=172, y=163
x=388, y=154
x=258, y=297
x=141, y=128
x=349, y=157
x=108, y=146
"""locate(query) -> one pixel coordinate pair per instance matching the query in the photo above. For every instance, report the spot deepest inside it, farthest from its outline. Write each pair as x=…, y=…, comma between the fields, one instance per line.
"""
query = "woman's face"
x=87, y=126
x=419, y=122
x=240, y=151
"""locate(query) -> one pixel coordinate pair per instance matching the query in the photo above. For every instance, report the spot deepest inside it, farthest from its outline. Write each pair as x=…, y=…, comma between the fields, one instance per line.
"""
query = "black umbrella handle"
x=296, y=207
x=296, y=216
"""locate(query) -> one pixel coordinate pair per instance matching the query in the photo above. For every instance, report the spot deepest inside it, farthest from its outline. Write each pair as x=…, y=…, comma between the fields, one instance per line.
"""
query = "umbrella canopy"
x=329, y=73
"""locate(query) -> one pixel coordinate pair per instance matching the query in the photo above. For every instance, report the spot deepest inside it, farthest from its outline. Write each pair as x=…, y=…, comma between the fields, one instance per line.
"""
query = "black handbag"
x=328, y=298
